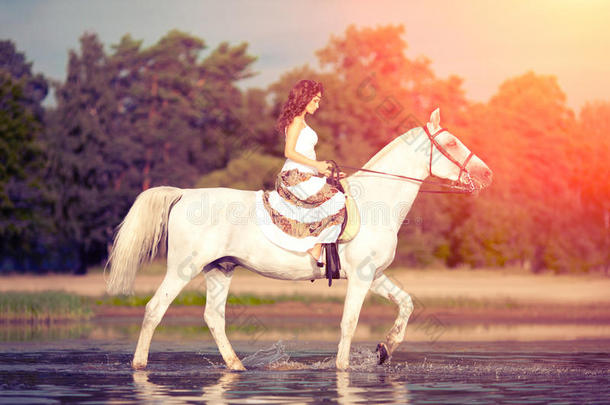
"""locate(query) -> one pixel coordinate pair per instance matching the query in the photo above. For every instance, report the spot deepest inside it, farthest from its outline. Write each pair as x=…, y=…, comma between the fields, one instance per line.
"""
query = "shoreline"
x=483, y=305
x=323, y=312
x=422, y=285
x=316, y=310
x=321, y=321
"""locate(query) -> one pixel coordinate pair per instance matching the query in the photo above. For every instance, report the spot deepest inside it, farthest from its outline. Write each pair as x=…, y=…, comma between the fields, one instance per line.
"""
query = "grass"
x=193, y=298
x=186, y=298
x=157, y=266
x=453, y=303
x=50, y=306
x=470, y=303
x=47, y=306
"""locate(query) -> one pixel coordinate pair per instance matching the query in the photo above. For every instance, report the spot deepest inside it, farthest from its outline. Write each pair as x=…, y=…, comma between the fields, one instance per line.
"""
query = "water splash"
x=363, y=359
x=277, y=358
x=210, y=362
x=267, y=357
x=327, y=363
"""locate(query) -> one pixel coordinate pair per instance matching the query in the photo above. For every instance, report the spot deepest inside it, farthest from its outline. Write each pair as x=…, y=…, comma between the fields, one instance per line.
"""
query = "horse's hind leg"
x=387, y=289
x=178, y=275
x=217, y=289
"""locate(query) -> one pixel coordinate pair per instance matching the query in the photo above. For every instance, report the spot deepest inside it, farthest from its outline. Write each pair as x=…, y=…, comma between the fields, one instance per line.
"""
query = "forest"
x=132, y=117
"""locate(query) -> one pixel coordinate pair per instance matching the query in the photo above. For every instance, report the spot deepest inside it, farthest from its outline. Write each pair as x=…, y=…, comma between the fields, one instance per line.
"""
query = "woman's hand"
x=323, y=167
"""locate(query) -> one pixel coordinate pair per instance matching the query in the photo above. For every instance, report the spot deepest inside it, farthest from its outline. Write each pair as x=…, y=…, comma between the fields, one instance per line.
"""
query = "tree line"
x=172, y=113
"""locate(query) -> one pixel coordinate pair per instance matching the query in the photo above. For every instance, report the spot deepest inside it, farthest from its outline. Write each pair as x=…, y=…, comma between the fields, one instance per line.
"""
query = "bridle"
x=454, y=187
x=462, y=166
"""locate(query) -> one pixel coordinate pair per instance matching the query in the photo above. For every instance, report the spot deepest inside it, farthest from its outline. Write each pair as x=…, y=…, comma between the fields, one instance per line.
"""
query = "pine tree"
x=24, y=206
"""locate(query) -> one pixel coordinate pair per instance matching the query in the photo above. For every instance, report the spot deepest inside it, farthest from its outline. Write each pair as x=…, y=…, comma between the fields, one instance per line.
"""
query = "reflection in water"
x=347, y=394
x=362, y=387
x=176, y=330
x=95, y=371
x=216, y=394
x=272, y=377
x=234, y=385
x=145, y=390
x=36, y=331
x=149, y=392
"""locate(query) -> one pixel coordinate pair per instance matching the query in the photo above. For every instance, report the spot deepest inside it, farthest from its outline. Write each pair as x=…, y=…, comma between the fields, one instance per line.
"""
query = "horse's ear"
x=435, y=119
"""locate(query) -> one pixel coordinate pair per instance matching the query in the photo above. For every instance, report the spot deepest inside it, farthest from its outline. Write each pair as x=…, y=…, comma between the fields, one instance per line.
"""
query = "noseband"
x=455, y=186
x=462, y=166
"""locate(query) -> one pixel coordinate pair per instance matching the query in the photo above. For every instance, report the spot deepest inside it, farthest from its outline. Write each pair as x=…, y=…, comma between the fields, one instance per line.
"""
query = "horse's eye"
x=452, y=143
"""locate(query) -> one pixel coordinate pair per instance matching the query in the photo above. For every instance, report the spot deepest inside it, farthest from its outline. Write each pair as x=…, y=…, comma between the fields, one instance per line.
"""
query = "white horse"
x=213, y=230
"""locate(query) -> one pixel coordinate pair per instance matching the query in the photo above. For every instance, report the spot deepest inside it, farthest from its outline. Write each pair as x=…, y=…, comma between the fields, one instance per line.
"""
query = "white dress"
x=303, y=209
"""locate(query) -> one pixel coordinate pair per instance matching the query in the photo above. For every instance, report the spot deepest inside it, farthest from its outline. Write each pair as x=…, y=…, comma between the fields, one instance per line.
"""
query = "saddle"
x=349, y=228
x=351, y=225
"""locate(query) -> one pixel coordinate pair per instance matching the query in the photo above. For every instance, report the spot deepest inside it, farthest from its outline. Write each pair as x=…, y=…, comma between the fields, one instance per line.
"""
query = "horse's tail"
x=139, y=236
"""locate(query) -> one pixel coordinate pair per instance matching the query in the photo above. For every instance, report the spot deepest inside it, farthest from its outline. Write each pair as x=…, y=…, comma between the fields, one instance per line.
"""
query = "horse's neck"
x=389, y=193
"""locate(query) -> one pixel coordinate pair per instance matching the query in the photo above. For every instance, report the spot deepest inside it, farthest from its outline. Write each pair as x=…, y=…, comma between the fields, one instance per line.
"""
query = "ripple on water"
x=305, y=374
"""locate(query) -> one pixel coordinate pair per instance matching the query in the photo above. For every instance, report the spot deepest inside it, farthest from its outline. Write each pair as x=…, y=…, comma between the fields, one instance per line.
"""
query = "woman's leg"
x=315, y=251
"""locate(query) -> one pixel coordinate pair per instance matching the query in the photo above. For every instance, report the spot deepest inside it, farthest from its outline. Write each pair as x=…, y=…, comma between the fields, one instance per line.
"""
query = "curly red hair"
x=300, y=95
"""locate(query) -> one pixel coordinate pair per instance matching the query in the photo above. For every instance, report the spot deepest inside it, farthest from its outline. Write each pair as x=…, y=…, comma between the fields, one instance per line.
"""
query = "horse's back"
x=218, y=194
x=212, y=206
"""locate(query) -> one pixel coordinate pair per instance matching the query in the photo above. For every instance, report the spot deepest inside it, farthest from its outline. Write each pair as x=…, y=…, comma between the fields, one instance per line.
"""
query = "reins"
x=454, y=189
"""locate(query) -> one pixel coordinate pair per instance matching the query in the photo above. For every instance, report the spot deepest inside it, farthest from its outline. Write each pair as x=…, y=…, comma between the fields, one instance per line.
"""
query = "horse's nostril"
x=484, y=176
x=488, y=176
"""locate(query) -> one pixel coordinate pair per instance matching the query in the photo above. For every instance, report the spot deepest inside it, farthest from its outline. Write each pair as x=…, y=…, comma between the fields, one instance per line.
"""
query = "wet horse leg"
x=387, y=289
x=171, y=286
x=217, y=289
x=357, y=287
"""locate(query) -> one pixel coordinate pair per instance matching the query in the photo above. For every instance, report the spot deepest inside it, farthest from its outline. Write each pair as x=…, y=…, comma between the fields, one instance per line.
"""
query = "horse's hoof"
x=382, y=353
x=342, y=366
x=237, y=367
x=138, y=366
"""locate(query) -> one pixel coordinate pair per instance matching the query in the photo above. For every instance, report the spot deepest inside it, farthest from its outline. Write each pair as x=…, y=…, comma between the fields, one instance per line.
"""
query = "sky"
x=482, y=41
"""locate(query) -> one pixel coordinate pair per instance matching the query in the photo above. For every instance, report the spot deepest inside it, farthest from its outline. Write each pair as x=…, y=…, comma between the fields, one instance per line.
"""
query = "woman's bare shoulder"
x=295, y=127
x=297, y=123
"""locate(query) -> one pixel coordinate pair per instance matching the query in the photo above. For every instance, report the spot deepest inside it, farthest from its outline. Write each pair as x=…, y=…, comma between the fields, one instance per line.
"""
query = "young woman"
x=304, y=210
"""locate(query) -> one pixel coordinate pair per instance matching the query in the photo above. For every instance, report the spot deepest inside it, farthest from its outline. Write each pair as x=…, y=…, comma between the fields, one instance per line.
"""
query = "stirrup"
x=333, y=264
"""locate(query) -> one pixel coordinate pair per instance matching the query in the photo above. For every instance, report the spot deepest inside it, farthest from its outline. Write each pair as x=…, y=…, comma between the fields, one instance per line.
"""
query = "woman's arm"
x=292, y=133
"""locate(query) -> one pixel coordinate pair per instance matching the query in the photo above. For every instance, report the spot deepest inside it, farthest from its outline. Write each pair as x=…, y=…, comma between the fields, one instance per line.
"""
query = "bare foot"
x=315, y=252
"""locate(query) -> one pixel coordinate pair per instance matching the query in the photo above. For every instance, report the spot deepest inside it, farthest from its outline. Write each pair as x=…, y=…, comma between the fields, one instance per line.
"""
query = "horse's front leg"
x=358, y=285
x=217, y=289
x=387, y=289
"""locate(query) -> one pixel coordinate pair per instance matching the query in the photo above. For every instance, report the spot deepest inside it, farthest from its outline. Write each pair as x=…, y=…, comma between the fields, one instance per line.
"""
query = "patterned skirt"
x=302, y=210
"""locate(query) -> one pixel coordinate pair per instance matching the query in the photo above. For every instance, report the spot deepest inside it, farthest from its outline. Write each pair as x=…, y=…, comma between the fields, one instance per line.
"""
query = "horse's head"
x=450, y=159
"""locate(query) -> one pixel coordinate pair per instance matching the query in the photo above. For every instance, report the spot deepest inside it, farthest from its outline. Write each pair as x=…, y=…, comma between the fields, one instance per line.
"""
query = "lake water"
x=76, y=370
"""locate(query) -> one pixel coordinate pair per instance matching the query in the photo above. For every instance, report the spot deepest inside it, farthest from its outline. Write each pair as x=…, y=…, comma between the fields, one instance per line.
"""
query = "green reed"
x=46, y=306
